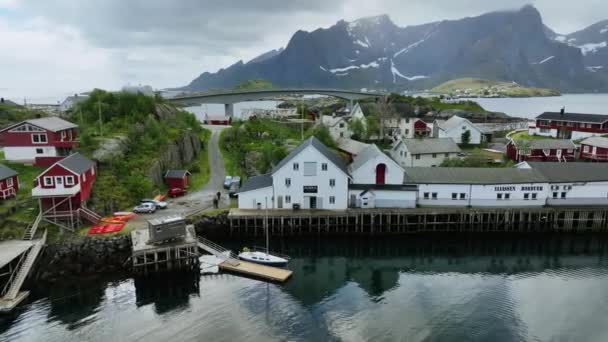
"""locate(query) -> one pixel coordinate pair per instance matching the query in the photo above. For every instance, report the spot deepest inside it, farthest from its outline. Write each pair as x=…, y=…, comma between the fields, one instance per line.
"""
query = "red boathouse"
x=594, y=149
x=9, y=182
x=177, y=179
x=541, y=150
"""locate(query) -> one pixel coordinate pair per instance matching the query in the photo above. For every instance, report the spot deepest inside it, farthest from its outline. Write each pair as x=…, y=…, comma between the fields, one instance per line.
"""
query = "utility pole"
x=99, y=111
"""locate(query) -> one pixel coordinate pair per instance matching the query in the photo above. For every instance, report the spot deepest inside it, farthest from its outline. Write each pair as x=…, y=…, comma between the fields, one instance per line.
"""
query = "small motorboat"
x=262, y=258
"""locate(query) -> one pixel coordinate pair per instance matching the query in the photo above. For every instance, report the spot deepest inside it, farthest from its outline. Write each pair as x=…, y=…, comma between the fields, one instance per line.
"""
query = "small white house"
x=424, y=152
x=71, y=101
x=337, y=126
x=455, y=127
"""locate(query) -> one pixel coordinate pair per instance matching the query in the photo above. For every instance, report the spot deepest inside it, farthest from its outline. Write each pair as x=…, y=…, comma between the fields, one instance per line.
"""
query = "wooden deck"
x=251, y=269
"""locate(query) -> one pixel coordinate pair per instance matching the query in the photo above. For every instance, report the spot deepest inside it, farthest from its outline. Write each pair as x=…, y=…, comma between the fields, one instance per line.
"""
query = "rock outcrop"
x=177, y=154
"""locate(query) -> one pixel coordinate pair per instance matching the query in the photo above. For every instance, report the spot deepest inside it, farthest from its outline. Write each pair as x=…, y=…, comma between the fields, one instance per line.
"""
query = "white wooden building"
x=337, y=126
x=424, y=152
x=455, y=127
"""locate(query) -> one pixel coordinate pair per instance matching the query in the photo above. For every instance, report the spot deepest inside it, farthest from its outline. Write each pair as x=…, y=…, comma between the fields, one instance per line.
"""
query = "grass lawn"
x=232, y=160
x=200, y=178
x=523, y=135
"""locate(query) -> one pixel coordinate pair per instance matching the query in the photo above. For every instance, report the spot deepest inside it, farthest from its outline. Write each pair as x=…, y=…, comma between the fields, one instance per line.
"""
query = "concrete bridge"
x=229, y=98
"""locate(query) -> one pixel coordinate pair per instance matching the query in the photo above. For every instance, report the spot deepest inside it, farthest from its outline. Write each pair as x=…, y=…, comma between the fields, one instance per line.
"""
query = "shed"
x=177, y=179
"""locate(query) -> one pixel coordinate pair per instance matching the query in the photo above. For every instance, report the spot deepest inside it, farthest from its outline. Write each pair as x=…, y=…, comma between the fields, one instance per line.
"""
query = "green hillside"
x=489, y=88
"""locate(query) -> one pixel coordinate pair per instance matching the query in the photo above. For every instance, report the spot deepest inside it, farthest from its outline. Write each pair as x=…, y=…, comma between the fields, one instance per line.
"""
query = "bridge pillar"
x=352, y=104
x=229, y=109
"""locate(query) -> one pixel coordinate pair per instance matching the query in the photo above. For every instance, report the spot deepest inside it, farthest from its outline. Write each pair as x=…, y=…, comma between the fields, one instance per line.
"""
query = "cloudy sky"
x=52, y=48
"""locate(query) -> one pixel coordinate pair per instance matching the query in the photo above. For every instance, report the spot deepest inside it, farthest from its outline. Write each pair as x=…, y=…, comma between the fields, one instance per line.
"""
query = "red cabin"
x=594, y=149
x=177, y=179
x=48, y=139
x=64, y=188
x=421, y=129
x=550, y=150
x=9, y=182
x=217, y=120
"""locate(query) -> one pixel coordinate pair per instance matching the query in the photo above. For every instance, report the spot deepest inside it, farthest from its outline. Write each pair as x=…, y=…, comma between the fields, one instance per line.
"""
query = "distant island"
x=475, y=87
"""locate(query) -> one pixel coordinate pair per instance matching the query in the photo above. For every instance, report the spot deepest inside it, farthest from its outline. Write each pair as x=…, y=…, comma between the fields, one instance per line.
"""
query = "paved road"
x=199, y=200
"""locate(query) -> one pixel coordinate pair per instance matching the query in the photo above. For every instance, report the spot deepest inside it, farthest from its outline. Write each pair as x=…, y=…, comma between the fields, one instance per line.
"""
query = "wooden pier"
x=418, y=220
x=149, y=257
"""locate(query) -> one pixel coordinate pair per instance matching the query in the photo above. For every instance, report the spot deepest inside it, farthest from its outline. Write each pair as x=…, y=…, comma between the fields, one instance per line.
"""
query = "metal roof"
x=596, y=141
x=318, y=145
x=572, y=172
x=52, y=123
x=426, y=146
x=453, y=122
x=467, y=175
x=351, y=146
x=597, y=118
x=177, y=173
x=6, y=172
x=369, y=153
x=546, y=144
x=257, y=182
x=76, y=163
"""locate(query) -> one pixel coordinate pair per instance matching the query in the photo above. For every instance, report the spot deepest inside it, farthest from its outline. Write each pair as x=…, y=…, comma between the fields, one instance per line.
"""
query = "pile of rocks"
x=210, y=226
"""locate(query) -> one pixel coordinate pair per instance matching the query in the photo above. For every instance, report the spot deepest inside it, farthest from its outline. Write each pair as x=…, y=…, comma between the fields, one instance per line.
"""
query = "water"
x=411, y=289
x=531, y=107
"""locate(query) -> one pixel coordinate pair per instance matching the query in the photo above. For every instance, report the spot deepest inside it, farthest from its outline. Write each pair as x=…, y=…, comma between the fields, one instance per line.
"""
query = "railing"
x=13, y=274
x=25, y=268
x=90, y=215
x=30, y=231
x=219, y=251
x=587, y=155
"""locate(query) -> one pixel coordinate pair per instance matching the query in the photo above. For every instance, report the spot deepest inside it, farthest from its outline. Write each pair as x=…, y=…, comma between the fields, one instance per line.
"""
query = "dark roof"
x=318, y=145
x=177, y=174
x=546, y=144
x=76, y=163
x=6, y=172
x=597, y=118
x=572, y=172
x=389, y=187
x=468, y=175
x=51, y=123
x=257, y=182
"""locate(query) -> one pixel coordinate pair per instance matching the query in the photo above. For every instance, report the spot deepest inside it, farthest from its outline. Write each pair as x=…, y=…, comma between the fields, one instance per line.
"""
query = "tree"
x=322, y=133
x=465, y=138
x=373, y=126
x=357, y=129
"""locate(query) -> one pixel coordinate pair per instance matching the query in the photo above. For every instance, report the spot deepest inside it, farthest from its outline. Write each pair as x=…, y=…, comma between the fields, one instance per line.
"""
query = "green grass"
x=476, y=85
x=523, y=135
x=201, y=177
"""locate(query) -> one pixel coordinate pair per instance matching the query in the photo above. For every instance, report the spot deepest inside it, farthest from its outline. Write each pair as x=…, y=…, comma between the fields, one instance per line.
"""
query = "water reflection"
x=167, y=292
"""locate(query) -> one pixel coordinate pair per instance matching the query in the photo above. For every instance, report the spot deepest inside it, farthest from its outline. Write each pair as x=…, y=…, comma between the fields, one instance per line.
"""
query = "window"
x=9, y=182
x=84, y=177
x=341, y=124
x=499, y=196
x=287, y=199
x=426, y=195
x=405, y=154
x=324, y=167
x=555, y=195
x=417, y=156
x=563, y=195
x=569, y=187
x=332, y=200
x=454, y=195
x=463, y=195
x=507, y=196
x=434, y=155
x=407, y=131
x=62, y=135
x=296, y=166
x=554, y=187
x=69, y=180
x=39, y=138
x=332, y=182
x=59, y=180
x=434, y=195
x=310, y=168
x=39, y=151
x=401, y=153
x=341, y=134
x=447, y=155
x=545, y=130
x=48, y=181
x=534, y=196
x=526, y=196
x=288, y=182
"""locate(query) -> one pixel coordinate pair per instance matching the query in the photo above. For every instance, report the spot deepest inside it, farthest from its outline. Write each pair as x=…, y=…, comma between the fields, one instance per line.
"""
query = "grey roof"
x=257, y=182
x=318, y=145
x=369, y=153
x=452, y=122
x=177, y=173
x=52, y=123
x=76, y=163
x=596, y=141
x=572, y=172
x=467, y=175
x=351, y=146
x=426, y=146
x=597, y=118
x=6, y=172
x=330, y=121
x=546, y=144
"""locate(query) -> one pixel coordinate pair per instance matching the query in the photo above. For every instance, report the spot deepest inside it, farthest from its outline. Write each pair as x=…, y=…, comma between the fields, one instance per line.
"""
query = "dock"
x=230, y=263
x=149, y=257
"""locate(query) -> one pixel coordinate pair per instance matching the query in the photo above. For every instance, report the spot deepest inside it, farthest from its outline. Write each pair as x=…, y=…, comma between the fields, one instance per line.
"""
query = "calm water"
x=533, y=289
x=531, y=107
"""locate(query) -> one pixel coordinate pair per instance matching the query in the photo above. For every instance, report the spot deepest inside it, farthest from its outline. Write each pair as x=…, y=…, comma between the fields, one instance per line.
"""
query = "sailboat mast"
x=266, y=224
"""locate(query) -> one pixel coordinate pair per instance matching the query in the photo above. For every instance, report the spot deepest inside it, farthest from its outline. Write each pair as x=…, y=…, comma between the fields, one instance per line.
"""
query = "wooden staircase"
x=89, y=215
x=31, y=229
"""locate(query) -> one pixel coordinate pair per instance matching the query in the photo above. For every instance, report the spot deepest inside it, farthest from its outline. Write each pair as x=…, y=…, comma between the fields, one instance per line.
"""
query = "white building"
x=377, y=182
x=337, y=126
x=311, y=176
x=478, y=187
x=71, y=101
x=455, y=127
x=410, y=128
x=424, y=152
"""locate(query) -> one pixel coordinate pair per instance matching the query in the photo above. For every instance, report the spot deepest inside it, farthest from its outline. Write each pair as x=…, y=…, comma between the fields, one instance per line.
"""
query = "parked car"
x=177, y=192
x=148, y=208
x=227, y=182
x=158, y=204
x=236, y=180
x=234, y=188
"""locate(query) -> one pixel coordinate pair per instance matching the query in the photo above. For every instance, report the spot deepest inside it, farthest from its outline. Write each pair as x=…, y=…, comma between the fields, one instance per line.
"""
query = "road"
x=196, y=201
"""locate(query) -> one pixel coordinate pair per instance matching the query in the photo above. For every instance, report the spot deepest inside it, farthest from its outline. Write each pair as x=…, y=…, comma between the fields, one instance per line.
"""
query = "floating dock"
x=149, y=257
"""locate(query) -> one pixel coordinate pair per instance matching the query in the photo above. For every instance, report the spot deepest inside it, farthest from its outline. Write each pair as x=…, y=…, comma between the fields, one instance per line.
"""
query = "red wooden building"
x=47, y=139
x=63, y=190
x=594, y=149
x=564, y=125
x=217, y=120
x=177, y=179
x=421, y=129
x=541, y=150
x=9, y=182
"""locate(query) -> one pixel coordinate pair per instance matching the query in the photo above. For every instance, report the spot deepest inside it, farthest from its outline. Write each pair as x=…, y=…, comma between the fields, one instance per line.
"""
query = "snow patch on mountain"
x=396, y=73
x=359, y=42
x=408, y=48
x=561, y=39
x=322, y=68
x=592, y=47
x=604, y=30
x=373, y=64
x=594, y=68
x=545, y=60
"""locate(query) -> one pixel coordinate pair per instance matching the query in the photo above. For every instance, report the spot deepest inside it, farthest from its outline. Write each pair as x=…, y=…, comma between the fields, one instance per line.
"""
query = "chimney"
x=562, y=111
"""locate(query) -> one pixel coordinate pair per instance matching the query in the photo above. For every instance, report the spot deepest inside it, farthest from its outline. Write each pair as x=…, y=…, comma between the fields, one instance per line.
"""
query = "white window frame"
x=39, y=135
x=59, y=180
x=48, y=181
x=332, y=200
x=296, y=166
x=93, y=170
x=287, y=182
x=332, y=182
x=69, y=180
x=287, y=199
x=9, y=182
x=323, y=166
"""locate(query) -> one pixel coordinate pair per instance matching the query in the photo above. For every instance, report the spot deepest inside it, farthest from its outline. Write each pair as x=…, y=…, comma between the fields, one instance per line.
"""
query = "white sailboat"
x=262, y=256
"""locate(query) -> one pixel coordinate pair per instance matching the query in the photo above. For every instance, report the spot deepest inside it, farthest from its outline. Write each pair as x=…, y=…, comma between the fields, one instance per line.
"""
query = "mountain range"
x=374, y=53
